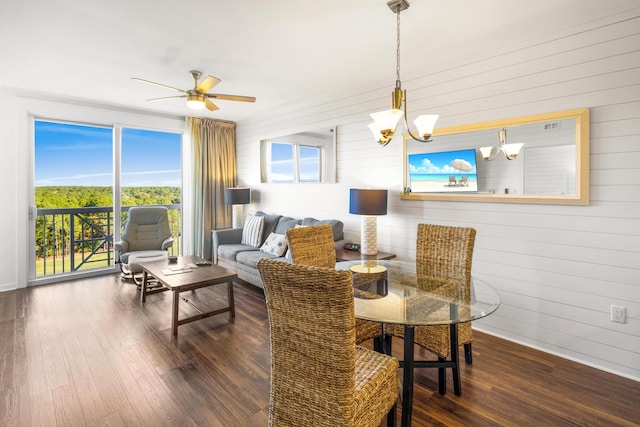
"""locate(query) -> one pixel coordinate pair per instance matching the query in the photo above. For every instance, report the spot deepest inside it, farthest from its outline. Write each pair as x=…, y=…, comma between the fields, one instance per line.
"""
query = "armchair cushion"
x=146, y=228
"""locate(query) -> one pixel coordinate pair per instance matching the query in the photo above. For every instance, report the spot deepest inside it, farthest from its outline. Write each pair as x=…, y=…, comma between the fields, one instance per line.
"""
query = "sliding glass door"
x=86, y=178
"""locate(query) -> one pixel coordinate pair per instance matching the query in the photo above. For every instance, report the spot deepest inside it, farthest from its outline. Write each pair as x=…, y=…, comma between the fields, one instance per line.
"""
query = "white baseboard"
x=8, y=287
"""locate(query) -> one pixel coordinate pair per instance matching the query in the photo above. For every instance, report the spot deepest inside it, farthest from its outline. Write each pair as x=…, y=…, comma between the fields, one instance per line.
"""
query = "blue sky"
x=434, y=163
x=69, y=154
x=282, y=163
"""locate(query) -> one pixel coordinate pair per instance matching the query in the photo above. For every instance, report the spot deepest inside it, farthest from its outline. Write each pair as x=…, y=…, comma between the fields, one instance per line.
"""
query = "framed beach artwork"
x=443, y=172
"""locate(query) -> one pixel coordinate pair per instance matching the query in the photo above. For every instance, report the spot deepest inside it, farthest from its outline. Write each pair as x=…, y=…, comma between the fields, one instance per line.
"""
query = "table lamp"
x=237, y=197
x=369, y=204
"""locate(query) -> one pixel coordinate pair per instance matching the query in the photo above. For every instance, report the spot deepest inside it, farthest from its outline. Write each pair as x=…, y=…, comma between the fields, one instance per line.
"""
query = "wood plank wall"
x=557, y=268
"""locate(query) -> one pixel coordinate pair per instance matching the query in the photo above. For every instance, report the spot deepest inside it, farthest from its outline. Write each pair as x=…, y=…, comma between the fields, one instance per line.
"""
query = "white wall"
x=557, y=268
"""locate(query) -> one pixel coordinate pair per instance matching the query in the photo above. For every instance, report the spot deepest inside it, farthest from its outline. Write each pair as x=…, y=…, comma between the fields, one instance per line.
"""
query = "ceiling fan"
x=198, y=98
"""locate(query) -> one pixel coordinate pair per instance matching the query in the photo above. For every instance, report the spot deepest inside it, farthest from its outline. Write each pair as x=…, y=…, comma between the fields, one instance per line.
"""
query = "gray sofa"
x=229, y=252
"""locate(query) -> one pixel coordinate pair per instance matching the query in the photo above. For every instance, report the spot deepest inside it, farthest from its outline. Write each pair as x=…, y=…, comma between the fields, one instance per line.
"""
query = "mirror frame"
x=582, y=162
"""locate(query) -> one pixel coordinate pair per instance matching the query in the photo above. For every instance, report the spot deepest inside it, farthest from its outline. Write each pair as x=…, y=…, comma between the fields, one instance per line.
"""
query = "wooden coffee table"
x=186, y=276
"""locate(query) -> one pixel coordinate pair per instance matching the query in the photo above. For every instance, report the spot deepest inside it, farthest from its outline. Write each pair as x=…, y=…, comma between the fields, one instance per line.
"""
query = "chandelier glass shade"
x=385, y=122
x=510, y=151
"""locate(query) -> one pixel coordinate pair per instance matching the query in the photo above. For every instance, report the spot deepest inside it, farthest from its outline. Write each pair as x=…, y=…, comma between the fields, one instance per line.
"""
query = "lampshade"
x=486, y=151
x=195, y=102
x=387, y=119
x=384, y=124
x=367, y=202
x=425, y=124
x=237, y=196
x=512, y=150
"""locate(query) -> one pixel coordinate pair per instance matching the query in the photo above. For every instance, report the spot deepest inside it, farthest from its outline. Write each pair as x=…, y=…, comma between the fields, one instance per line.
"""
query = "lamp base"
x=368, y=231
x=237, y=216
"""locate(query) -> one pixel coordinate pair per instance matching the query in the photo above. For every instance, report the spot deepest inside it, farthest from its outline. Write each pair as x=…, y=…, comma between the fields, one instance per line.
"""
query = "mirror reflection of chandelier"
x=510, y=151
x=385, y=122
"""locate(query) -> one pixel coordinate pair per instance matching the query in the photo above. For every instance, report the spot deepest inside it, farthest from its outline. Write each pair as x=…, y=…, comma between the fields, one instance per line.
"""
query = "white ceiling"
x=280, y=51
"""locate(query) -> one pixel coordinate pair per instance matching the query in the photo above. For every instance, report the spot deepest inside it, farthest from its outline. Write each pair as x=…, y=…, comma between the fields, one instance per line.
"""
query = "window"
x=305, y=157
x=309, y=162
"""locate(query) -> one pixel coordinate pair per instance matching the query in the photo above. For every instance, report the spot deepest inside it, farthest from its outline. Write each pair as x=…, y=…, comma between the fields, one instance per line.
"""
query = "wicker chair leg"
x=391, y=416
x=468, y=358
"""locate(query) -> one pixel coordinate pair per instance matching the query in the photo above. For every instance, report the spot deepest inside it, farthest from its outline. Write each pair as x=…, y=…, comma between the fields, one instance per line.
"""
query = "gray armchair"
x=147, y=236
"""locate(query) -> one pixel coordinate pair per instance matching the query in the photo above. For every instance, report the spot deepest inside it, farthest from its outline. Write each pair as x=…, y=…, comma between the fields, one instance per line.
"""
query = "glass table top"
x=391, y=292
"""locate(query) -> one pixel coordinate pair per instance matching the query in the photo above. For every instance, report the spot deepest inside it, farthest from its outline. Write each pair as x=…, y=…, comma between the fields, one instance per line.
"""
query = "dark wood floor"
x=88, y=353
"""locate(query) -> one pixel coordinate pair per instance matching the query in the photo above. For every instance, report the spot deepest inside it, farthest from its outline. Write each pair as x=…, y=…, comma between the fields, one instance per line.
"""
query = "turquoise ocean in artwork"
x=440, y=177
x=440, y=183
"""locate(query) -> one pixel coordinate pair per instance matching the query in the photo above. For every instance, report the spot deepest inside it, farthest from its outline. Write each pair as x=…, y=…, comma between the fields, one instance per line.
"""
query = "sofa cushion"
x=229, y=251
x=336, y=226
x=252, y=231
x=251, y=258
x=270, y=223
x=275, y=244
x=285, y=223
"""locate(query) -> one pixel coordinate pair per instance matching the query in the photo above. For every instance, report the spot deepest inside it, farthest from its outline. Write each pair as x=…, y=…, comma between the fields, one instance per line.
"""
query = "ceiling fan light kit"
x=195, y=102
x=198, y=98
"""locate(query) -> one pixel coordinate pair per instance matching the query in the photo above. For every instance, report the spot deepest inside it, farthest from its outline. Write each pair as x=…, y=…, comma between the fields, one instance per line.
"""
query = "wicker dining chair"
x=319, y=376
x=314, y=246
x=445, y=253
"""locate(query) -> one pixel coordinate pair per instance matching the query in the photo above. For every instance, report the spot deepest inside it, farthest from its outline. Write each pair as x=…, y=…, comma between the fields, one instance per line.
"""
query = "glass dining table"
x=390, y=292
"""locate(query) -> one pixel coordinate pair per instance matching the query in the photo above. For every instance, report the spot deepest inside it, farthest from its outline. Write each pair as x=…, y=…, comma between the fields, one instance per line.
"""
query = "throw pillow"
x=336, y=226
x=252, y=231
x=275, y=244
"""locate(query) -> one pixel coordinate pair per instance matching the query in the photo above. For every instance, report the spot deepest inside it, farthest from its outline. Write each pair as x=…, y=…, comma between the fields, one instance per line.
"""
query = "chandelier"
x=385, y=122
x=510, y=151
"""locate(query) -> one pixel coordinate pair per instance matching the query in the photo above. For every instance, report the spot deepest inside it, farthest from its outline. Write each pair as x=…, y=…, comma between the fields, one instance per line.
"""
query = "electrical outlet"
x=618, y=314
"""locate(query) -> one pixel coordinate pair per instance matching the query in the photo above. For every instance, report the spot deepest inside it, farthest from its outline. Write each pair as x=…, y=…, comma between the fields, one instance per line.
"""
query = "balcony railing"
x=73, y=239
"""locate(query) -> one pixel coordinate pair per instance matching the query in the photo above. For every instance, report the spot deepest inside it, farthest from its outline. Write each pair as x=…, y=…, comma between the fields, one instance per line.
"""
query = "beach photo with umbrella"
x=442, y=172
x=462, y=166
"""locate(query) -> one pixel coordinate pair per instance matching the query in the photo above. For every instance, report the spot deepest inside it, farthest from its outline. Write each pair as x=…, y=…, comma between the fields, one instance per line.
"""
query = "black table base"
x=409, y=363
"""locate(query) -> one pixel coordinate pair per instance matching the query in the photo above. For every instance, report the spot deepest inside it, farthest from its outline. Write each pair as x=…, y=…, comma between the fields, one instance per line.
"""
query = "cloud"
x=425, y=167
x=105, y=178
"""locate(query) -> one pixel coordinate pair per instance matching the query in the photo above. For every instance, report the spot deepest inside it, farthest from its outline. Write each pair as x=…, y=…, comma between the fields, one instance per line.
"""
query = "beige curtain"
x=214, y=169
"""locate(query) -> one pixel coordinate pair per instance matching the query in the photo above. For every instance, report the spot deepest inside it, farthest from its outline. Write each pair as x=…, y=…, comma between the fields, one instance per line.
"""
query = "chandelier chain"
x=398, y=44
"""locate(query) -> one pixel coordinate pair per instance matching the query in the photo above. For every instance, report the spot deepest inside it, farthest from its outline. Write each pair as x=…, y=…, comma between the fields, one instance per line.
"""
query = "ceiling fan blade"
x=159, y=84
x=231, y=97
x=207, y=84
x=167, y=97
x=210, y=105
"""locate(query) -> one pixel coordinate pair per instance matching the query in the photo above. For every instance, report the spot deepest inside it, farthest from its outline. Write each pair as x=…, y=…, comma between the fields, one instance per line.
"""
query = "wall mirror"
x=303, y=157
x=552, y=166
